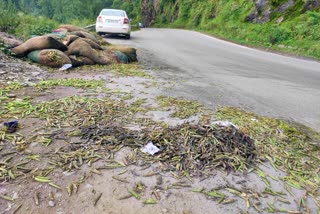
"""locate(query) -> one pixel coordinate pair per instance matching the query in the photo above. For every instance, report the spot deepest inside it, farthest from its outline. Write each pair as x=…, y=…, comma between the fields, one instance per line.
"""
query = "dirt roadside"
x=86, y=177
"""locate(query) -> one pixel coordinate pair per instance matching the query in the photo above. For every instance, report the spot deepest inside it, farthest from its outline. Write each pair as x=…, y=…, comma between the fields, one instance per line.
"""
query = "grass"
x=69, y=82
x=128, y=70
x=6, y=89
x=122, y=70
x=182, y=108
x=17, y=107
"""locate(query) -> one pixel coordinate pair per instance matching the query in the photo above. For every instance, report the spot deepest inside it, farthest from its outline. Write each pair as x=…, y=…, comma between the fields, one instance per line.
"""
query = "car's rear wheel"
x=128, y=36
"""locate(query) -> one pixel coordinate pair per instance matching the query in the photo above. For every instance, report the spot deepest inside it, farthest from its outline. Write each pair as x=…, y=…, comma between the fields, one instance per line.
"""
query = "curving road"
x=217, y=73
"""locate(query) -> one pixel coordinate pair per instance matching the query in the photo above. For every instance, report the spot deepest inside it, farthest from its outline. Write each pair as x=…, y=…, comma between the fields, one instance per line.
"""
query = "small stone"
x=15, y=196
x=281, y=46
x=164, y=210
x=9, y=207
x=140, y=162
x=11, y=95
x=35, y=73
x=159, y=180
x=52, y=203
x=27, y=84
x=66, y=173
x=280, y=19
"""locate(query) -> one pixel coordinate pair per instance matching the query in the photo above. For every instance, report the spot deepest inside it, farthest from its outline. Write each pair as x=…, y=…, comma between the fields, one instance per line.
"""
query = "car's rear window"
x=113, y=13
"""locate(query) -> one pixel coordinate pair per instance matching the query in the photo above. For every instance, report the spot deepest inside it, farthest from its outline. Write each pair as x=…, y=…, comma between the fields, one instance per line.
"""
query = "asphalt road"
x=218, y=73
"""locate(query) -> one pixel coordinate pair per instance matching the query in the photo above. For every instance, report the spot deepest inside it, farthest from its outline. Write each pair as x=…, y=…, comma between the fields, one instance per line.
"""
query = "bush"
x=83, y=22
x=40, y=30
x=8, y=21
x=313, y=18
x=279, y=34
x=6, y=49
x=30, y=26
x=196, y=20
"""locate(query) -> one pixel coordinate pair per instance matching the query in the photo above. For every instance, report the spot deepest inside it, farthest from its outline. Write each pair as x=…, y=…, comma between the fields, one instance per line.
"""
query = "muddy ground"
x=92, y=187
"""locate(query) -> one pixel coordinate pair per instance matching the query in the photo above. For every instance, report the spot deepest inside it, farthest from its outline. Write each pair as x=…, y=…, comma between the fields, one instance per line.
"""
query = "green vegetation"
x=31, y=26
x=71, y=82
x=8, y=22
x=6, y=89
x=18, y=107
x=182, y=108
x=294, y=30
x=38, y=17
x=128, y=70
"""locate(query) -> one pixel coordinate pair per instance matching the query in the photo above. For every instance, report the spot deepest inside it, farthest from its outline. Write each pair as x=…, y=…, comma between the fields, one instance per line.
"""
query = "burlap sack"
x=38, y=43
x=49, y=57
x=80, y=47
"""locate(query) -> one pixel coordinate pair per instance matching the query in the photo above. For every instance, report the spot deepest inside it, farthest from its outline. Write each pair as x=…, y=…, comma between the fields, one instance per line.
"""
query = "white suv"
x=112, y=21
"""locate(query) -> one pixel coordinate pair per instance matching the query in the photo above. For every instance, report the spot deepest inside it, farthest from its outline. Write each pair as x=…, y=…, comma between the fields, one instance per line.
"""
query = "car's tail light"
x=99, y=19
x=125, y=21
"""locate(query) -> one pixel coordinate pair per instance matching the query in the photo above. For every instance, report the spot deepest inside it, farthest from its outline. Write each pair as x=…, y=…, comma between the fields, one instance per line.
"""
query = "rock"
x=281, y=46
x=9, y=40
x=15, y=195
x=52, y=203
x=251, y=17
x=310, y=5
x=164, y=210
x=27, y=84
x=66, y=173
x=159, y=180
x=35, y=73
x=140, y=162
x=148, y=12
x=284, y=6
x=280, y=19
x=9, y=207
x=263, y=11
x=11, y=96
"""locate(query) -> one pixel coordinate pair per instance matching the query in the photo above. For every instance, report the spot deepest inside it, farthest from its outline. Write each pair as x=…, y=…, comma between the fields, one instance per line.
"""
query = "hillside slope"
x=289, y=25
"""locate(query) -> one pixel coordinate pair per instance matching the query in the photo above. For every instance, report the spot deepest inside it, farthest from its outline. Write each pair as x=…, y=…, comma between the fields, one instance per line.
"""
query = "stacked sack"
x=69, y=44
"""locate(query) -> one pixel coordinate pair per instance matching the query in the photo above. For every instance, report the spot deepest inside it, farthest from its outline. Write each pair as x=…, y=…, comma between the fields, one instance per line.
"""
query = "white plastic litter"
x=65, y=67
x=225, y=124
x=150, y=149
